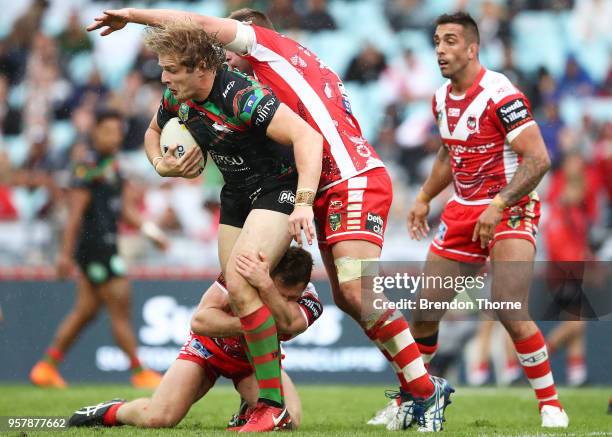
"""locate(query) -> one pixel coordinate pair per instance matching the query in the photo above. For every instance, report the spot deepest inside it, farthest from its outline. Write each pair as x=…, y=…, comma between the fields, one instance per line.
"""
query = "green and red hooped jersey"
x=231, y=126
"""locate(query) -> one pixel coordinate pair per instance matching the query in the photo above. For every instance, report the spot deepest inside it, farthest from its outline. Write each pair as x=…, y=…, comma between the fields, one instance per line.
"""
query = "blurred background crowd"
x=53, y=76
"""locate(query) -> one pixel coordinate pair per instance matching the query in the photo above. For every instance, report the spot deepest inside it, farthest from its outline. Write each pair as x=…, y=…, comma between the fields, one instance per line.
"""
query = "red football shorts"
x=454, y=237
x=354, y=209
x=215, y=362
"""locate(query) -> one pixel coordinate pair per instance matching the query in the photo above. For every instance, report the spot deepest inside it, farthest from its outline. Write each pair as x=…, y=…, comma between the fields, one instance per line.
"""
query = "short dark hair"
x=256, y=17
x=295, y=267
x=463, y=19
x=103, y=114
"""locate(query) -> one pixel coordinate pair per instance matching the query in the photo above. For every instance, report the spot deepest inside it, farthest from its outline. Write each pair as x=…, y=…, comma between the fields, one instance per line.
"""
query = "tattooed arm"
x=534, y=165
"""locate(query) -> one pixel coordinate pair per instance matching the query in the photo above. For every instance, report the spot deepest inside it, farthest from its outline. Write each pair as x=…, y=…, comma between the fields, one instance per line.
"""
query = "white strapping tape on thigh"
x=350, y=269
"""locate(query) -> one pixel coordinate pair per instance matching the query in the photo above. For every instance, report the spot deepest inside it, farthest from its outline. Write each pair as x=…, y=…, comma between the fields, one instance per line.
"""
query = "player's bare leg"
x=226, y=239
x=85, y=309
x=182, y=385
x=267, y=232
x=570, y=333
x=116, y=296
x=512, y=261
x=389, y=330
x=479, y=373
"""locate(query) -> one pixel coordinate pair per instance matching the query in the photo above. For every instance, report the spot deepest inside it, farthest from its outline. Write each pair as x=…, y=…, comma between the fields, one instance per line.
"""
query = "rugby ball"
x=175, y=132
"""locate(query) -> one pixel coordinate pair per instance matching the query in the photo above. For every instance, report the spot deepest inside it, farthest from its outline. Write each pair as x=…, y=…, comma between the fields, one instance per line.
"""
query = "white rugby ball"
x=175, y=132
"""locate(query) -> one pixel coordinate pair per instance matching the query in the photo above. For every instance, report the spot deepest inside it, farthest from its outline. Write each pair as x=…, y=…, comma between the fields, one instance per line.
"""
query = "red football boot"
x=267, y=418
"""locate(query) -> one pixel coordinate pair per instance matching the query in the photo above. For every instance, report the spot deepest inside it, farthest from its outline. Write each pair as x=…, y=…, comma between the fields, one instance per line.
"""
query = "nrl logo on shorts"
x=286, y=197
x=183, y=112
x=472, y=124
x=516, y=213
x=335, y=220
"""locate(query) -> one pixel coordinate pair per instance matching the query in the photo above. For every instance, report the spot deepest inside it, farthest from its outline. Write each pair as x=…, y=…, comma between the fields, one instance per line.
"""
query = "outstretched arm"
x=112, y=20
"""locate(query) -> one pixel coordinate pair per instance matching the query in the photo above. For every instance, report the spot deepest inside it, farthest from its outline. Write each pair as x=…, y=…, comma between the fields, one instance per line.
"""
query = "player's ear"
x=473, y=50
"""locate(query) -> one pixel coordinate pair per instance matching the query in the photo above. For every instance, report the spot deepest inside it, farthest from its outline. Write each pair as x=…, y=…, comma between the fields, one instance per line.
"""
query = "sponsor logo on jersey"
x=228, y=88
x=248, y=107
x=312, y=306
x=197, y=348
x=286, y=196
x=454, y=112
x=335, y=204
x=335, y=220
x=374, y=223
x=264, y=110
x=513, y=114
x=183, y=112
x=226, y=160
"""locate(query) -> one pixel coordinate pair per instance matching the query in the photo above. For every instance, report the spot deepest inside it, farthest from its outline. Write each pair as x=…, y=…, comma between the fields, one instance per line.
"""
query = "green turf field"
x=331, y=410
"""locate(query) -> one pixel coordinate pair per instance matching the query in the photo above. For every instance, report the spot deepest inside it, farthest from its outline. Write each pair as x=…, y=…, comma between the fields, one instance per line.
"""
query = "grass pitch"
x=329, y=410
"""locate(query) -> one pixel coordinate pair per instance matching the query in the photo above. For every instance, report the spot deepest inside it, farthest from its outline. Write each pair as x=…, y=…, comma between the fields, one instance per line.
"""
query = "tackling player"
x=354, y=192
x=98, y=199
x=215, y=348
x=245, y=129
x=495, y=156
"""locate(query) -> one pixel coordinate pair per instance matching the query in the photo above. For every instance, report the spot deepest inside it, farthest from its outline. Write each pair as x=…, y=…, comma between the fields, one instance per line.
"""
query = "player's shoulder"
x=498, y=86
x=270, y=37
x=440, y=95
x=310, y=290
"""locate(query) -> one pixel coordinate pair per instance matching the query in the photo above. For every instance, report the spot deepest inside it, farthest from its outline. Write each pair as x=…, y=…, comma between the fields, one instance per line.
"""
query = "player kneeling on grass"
x=215, y=348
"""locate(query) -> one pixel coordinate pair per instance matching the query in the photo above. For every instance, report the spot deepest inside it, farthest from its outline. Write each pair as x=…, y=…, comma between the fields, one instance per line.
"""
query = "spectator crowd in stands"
x=50, y=89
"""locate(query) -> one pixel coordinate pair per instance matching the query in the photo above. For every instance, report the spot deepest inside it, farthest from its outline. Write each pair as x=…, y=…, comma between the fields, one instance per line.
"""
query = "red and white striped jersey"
x=315, y=92
x=477, y=129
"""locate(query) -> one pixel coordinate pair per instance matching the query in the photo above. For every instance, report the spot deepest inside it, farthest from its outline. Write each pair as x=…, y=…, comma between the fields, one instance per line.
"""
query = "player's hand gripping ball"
x=175, y=132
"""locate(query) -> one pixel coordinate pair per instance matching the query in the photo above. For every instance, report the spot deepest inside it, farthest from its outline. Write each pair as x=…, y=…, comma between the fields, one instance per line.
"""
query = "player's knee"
x=236, y=285
x=87, y=312
x=348, y=298
x=421, y=328
x=518, y=329
x=163, y=417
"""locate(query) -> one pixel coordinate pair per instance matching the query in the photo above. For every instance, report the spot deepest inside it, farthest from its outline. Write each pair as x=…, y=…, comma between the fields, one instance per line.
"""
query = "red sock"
x=392, y=335
x=135, y=364
x=110, y=417
x=533, y=356
x=54, y=356
x=575, y=360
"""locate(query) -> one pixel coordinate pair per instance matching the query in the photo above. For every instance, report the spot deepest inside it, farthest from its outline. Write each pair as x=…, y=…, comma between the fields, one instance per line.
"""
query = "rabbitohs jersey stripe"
x=231, y=126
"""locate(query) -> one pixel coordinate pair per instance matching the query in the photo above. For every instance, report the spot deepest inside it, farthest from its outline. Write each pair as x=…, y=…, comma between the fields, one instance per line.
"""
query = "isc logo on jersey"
x=228, y=88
